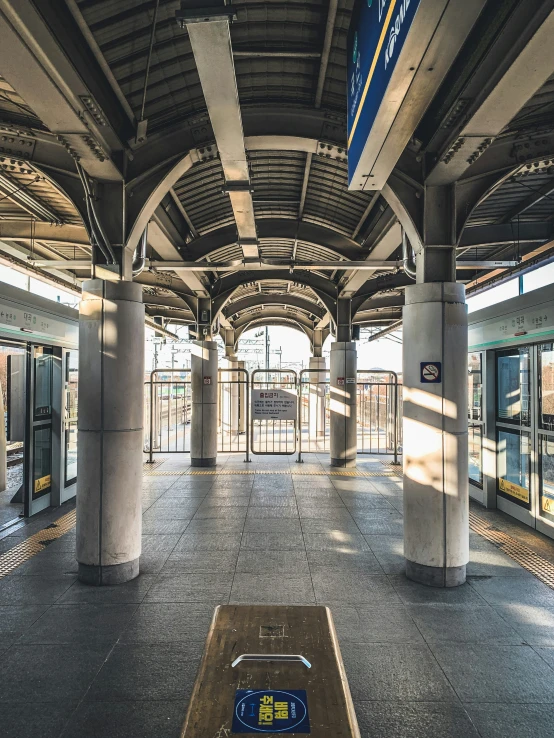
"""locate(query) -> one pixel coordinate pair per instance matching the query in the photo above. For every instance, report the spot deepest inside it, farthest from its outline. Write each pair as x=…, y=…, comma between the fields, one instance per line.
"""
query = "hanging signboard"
x=275, y=404
x=398, y=52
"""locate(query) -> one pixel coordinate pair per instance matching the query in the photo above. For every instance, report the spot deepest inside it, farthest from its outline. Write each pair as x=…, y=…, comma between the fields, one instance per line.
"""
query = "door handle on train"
x=271, y=657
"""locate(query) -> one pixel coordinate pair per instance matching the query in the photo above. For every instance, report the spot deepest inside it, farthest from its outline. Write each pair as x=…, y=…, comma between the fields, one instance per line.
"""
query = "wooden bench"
x=272, y=670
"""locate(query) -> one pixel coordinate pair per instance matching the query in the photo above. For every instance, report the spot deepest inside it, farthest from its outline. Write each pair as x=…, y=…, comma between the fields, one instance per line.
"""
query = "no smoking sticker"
x=431, y=372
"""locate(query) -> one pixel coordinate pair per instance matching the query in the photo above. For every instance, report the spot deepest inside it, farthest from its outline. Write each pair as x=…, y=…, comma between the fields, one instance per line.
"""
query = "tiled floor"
x=77, y=661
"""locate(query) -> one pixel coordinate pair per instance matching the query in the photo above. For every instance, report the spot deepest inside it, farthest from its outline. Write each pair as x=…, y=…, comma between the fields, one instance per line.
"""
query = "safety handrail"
x=390, y=373
x=152, y=374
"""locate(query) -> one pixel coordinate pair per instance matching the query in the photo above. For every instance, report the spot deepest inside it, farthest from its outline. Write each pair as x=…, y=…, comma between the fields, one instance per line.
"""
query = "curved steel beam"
x=224, y=287
x=278, y=314
x=289, y=323
x=279, y=228
x=247, y=303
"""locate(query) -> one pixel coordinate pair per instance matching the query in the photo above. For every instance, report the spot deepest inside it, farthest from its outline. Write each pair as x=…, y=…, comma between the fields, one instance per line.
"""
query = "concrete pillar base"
x=203, y=462
x=344, y=463
x=436, y=576
x=100, y=576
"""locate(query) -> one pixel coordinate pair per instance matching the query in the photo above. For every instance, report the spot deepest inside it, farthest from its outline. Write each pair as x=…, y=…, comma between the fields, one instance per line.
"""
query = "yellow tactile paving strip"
x=36, y=543
x=271, y=472
x=519, y=552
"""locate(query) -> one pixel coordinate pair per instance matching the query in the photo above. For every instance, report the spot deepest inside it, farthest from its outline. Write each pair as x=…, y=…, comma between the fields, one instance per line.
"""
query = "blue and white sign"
x=377, y=34
x=431, y=372
x=271, y=711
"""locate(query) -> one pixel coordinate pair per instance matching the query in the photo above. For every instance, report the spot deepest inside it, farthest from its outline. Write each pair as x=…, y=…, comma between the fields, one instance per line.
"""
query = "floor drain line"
x=36, y=543
x=518, y=552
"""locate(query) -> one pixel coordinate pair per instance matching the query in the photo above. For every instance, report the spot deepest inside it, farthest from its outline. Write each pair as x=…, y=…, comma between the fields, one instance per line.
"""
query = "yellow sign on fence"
x=42, y=483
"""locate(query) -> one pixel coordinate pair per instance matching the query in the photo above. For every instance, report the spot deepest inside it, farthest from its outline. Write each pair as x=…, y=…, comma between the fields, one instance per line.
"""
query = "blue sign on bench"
x=271, y=711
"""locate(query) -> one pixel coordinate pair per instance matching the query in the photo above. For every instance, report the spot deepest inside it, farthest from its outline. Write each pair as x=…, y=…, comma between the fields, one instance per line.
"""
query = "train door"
x=38, y=466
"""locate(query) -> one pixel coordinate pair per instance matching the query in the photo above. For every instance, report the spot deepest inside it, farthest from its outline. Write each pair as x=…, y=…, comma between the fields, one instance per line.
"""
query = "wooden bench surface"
x=267, y=629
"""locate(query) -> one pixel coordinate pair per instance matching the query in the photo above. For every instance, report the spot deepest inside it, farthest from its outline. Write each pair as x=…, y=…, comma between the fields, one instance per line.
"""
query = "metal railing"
x=273, y=437
x=314, y=414
x=378, y=413
x=167, y=409
x=233, y=414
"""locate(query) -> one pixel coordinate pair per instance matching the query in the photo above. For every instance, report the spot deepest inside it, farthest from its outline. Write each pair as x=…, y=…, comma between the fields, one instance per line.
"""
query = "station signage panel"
x=398, y=53
x=274, y=404
x=378, y=31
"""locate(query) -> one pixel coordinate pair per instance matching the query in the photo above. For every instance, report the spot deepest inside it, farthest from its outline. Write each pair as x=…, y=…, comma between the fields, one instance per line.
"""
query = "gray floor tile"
x=324, y=527
x=15, y=620
x=216, y=525
x=224, y=502
x=412, y=593
x=273, y=541
x=200, y=561
x=130, y=719
x=152, y=563
x=48, y=563
x=79, y=624
x=272, y=512
x=155, y=544
x=459, y=624
x=282, y=562
x=346, y=561
x=351, y=587
x=493, y=563
x=128, y=593
x=414, y=720
x=389, y=551
x=147, y=671
x=394, y=672
x=486, y=673
x=34, y=590
x=504, y=590
x=272, y=525
x=191, y=587
x=167, y=622
x=258, y=588
x=339, y=541
x=512, y=721
x=389, y=526
x=27, y=719
x=227, y=513
x=39, y=673
x=208, y=542
x=165, y=526
x=365, y=624
x=535, y=624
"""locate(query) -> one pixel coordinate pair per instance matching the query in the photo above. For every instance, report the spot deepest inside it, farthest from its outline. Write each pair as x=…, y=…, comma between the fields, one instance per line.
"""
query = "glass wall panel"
x=475, y=387
x=513, y=389
x=546, y=506
x=476, y=454
x=546, y=385
x=42, y=460
x=43, y=383
x=514, y=465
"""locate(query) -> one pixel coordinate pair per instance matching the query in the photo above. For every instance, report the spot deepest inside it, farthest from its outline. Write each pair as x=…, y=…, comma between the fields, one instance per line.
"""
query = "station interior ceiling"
x=290, y=69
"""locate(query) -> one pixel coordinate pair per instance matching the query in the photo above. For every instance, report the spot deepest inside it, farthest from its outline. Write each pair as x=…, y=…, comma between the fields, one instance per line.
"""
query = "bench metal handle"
x=271, y=657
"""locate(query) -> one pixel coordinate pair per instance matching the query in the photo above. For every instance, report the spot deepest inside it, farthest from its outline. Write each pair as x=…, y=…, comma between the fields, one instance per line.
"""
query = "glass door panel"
x=513, y=386
x=70, y=426
x=514, y=466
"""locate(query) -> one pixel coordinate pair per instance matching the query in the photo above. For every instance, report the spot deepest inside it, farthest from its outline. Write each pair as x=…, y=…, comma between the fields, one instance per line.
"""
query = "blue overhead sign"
x=378, y=31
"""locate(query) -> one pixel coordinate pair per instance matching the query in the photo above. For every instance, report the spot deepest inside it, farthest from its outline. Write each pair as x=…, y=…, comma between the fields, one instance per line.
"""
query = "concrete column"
x=203, y=427
x=111, y=407
x=436, y=530
x=243, y=397
x=343, y=403
x=317, y=397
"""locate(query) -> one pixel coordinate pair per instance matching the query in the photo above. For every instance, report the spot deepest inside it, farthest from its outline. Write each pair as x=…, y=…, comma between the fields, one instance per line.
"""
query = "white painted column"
x=343, y=365
x=203, y=434
x=111, y=408
x=317, y=397
x=436, y=528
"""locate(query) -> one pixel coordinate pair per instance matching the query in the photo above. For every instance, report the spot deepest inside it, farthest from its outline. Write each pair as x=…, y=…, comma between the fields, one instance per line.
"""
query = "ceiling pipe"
x=139, y=259
x=408, y=260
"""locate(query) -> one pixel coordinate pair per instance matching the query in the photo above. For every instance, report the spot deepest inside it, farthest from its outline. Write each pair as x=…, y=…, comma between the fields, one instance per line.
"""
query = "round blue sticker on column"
x=271, y=711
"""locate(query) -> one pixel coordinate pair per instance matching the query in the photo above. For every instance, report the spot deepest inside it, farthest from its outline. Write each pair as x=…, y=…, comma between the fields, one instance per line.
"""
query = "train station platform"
x=474, y=660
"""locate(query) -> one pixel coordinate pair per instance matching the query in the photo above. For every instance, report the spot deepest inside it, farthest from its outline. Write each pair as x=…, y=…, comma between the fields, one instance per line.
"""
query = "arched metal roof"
x=290, y=68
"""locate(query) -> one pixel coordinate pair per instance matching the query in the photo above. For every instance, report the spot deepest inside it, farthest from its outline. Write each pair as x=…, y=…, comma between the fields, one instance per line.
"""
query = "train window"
x=513, y=387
